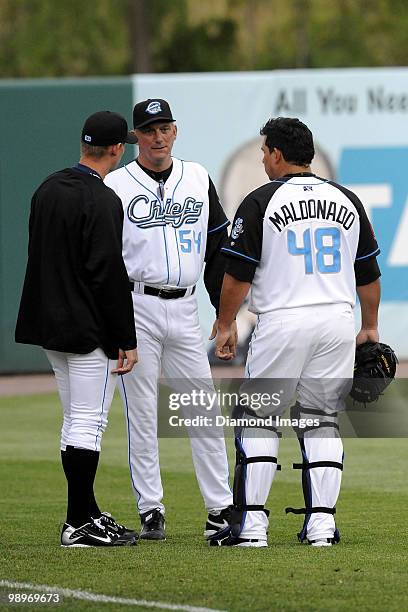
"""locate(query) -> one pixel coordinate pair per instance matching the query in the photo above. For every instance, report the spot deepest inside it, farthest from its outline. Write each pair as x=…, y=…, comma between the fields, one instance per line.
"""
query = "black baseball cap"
x=151, y=111
x=106, y=128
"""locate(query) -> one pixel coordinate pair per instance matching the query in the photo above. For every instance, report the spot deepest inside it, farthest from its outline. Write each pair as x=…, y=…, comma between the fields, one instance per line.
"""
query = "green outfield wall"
x=41, y=121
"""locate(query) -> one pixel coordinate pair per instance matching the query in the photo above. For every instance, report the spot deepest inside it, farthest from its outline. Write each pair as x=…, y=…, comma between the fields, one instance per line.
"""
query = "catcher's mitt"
x=374, y=370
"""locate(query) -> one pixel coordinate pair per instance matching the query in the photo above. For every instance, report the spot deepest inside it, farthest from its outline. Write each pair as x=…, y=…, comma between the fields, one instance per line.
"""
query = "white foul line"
x=102, y=598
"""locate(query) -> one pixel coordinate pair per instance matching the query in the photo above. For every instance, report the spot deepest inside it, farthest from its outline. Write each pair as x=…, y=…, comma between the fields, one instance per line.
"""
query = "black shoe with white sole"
x=217, y=522
x=230, y=540
x=153, y=525
x=91, y=534
x=124, y=533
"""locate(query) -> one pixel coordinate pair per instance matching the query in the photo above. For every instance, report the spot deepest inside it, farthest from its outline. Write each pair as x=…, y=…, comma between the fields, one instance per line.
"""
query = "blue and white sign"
x=359, y=118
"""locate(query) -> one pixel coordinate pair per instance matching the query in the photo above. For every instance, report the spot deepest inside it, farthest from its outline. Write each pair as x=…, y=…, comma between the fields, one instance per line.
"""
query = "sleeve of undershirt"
x=244, y=246
x=216, y=237
x=366, y=267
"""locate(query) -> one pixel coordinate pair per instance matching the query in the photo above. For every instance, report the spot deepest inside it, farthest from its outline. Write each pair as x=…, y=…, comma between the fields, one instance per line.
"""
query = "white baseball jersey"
x=304, y=234
x=166, y=224
x=171, y=226
x=304, y=242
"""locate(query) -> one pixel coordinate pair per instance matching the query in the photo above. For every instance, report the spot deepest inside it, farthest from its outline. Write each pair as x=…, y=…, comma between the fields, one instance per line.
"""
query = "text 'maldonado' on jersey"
x=300, y=239
x=165, y=226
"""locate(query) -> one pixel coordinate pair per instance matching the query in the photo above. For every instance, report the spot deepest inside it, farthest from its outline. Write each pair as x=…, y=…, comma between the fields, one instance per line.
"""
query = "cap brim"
x=131, y=138
x=154, y=120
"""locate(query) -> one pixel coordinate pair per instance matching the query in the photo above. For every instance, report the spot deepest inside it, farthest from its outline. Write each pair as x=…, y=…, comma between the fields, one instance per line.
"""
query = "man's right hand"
x=367, y=335
x=126, y=361
x=226, y=342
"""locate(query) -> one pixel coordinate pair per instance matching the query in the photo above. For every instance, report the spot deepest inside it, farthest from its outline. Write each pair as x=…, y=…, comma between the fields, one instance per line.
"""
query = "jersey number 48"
x=327, y=256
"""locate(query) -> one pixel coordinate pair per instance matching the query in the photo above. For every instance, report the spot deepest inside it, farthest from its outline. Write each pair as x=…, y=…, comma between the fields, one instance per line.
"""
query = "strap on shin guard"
x=296, y=412
x=309, y=509
x=240, y=507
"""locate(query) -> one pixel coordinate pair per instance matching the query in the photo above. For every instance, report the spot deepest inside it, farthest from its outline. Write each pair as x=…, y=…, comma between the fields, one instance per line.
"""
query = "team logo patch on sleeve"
x=238, y=228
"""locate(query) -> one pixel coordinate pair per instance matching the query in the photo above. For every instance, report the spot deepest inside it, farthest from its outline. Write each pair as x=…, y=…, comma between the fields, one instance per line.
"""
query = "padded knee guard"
x=329, y=419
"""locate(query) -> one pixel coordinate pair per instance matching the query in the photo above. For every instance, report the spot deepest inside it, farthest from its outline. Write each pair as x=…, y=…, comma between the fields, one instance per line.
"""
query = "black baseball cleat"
x=91, y=534
x=321, y=542
x=124, y=533
x=153, y=525
x=217, y=522
x=229, y=540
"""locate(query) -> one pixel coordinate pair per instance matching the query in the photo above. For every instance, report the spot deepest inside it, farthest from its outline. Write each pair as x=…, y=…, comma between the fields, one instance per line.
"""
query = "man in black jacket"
x=76, y=304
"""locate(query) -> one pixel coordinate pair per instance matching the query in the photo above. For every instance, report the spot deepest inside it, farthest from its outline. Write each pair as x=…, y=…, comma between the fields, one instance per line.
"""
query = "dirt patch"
x=45, y=383
x=27, y=384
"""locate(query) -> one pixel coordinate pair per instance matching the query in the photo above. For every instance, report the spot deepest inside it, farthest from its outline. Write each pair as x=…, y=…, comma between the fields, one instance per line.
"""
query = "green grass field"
x=366, y=572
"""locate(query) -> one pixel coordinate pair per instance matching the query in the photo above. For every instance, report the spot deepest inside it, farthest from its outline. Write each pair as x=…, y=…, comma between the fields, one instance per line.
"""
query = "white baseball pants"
x=169, y=342
x=86, y=387
x=312, y=350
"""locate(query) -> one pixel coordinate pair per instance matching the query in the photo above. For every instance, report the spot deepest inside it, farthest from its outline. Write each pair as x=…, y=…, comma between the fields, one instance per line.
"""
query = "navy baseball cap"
x=151, y=111
x=106, y=128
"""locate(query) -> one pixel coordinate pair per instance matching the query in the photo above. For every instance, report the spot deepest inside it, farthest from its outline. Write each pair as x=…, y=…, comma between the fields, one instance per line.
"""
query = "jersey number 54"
x=188, y=240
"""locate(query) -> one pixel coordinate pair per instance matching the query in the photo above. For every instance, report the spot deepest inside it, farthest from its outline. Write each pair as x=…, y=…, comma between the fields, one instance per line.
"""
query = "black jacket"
x=76, y=294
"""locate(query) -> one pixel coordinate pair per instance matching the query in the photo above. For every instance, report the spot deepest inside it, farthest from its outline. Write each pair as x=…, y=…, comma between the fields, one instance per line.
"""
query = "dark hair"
x=292, y=137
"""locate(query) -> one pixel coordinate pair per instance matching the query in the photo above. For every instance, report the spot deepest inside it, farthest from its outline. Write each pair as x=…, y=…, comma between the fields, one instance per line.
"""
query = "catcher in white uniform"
x=173, y=224
x=304, y=244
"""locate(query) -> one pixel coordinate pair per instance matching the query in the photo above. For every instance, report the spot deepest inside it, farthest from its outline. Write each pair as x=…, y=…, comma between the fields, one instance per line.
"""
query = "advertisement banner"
x=359, y=119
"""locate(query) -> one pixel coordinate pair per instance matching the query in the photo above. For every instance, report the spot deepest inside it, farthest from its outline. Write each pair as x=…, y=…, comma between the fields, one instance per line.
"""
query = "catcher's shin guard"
x=321, y=467
x=321, y=486
x=253, y=478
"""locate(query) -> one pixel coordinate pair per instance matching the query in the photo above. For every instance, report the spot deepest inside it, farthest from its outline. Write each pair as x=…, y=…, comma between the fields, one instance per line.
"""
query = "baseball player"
x=173, y=224
x=77, y=305
x=302, y=244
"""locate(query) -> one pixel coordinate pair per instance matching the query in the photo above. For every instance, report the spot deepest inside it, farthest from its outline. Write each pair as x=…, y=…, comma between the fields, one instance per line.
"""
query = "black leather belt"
x=163, y=293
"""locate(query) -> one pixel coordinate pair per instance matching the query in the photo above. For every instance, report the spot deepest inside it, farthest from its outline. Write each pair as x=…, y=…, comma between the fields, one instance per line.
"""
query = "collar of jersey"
x=147, y=182
x=156, y=176
x=298, y=174
x=284, y=180
x=87, y=170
